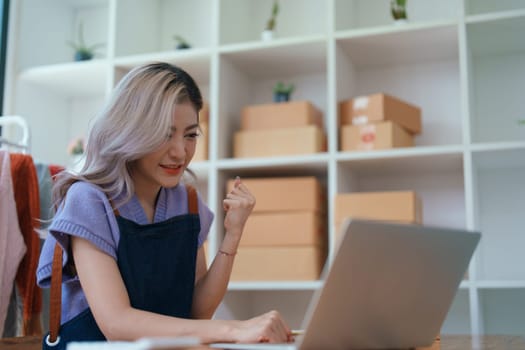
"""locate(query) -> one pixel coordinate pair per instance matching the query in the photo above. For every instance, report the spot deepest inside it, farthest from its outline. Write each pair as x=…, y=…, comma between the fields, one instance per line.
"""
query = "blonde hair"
x=134, y=122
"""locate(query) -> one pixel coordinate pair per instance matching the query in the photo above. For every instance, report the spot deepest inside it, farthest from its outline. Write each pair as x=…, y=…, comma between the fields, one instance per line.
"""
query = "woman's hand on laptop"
x=266, y=328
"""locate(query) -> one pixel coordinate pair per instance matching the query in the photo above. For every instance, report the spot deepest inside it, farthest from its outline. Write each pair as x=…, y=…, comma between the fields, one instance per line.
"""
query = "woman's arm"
x=211, y=285
x=108, y=299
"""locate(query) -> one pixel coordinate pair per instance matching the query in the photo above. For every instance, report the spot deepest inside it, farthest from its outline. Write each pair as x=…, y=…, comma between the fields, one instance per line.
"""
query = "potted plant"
x=282, y=92
x=398, y=10
x=181, y=43
x=82, y=51
x=267, y=33
x=75, y=150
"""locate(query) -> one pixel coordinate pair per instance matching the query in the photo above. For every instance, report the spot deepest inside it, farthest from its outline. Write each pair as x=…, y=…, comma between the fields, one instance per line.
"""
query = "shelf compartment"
x=357, y=14
x=503, y=310
x=45, y=28
x=403, y=64
x=474, y=7
x=281, y=171
x=402, y=47
x=436, y=178
x=149, y=26
x=458, y=316
x=496, y=52
x=278, y=59
x=247, y=77
x=229, y=172
x=296, y=18
x=70, y=79
x=69, y=116
x=500, y=197
x=196, y=62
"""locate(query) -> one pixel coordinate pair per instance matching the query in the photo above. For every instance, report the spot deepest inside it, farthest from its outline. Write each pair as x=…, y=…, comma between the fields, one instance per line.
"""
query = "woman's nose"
x=177, y=148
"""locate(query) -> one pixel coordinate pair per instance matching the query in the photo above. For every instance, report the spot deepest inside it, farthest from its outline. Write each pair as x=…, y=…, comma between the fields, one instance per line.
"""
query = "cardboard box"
x=276, y=194
x=201, y=150
x=279, y=142
x=382, y=135
x=380, y=107
x=297, y=228
x=278, y=263
x=398, y=206
x=204, y=113
x=280, y=115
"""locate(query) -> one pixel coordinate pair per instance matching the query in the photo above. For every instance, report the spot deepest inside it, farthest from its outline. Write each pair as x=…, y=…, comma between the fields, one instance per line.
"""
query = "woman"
x=132, y=232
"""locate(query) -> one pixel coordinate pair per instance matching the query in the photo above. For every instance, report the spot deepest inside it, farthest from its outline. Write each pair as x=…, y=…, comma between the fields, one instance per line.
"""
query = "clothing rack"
x=7, y=123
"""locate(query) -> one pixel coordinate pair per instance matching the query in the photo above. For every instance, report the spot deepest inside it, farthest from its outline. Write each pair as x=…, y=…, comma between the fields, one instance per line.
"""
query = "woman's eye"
x=193, y=135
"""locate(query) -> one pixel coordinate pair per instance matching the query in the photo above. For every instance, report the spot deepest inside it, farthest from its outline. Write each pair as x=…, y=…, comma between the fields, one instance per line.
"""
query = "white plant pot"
x=400, y=22
x=267, y=35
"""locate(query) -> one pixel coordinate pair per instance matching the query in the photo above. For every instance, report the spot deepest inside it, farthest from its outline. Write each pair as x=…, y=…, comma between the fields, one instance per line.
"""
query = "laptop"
x=389, y=286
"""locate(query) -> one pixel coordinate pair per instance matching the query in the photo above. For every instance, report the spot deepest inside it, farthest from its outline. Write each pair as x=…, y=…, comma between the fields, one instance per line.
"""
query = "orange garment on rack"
x=25, y=186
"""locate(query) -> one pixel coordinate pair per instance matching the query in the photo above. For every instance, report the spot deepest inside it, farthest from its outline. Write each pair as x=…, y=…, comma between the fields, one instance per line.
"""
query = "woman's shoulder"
x=83, y=190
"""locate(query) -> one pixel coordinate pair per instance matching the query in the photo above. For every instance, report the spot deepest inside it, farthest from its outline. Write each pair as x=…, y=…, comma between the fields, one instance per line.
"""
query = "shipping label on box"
x=373, y=136
x=281, y=115
x=380, y=107
x=303, y=263
x=279, y=142
x=287, y=228
x=278, y=194
x=397, y=206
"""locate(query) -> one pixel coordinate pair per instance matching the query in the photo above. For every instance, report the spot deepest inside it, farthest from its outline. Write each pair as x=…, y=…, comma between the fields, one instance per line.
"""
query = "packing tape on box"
x=360, y=120
x=360, y=102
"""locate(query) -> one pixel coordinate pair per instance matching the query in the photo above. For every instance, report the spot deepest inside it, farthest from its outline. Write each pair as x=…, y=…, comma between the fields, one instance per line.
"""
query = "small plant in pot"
x=181, y=42
x=83, y=52
x=282, y=92
x=398, y=8
x=267, y=33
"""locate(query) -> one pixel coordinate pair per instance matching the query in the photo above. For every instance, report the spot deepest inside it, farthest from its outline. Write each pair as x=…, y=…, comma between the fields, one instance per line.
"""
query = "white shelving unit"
x=461, y=61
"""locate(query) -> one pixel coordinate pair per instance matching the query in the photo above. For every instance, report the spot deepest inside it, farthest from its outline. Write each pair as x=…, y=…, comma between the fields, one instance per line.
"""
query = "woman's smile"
x=172, y=169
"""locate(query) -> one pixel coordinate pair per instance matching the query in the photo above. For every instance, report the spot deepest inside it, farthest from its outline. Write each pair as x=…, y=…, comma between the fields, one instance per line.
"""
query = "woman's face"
x=165, y=166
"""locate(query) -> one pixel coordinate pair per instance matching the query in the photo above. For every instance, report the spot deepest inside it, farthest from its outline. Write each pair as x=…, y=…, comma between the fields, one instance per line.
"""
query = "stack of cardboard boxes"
x=378, y=121
x=279, y=129
x=201, y=151
x=285, y=236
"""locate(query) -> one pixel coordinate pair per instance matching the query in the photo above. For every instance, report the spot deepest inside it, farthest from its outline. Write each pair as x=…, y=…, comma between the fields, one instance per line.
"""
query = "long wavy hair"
x=134, y=122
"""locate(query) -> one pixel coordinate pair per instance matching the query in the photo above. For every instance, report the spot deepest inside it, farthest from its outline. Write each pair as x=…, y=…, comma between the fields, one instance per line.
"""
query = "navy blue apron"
x=157, y=263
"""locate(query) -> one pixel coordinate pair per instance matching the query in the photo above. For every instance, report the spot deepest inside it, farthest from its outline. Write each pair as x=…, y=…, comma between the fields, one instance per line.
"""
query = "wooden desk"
x=450, y=342
x=485, y=342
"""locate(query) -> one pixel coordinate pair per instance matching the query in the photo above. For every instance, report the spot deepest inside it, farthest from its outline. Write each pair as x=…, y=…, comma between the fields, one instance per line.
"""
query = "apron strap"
x=193, y=203
x=55, y=303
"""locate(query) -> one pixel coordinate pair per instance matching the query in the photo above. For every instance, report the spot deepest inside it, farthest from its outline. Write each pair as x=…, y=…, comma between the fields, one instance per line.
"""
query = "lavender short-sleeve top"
x=87, y=213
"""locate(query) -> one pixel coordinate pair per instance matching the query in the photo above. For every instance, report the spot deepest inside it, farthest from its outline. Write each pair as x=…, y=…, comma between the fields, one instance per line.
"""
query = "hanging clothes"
x=25, y=185
x=12, y=246
x=45, y=188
